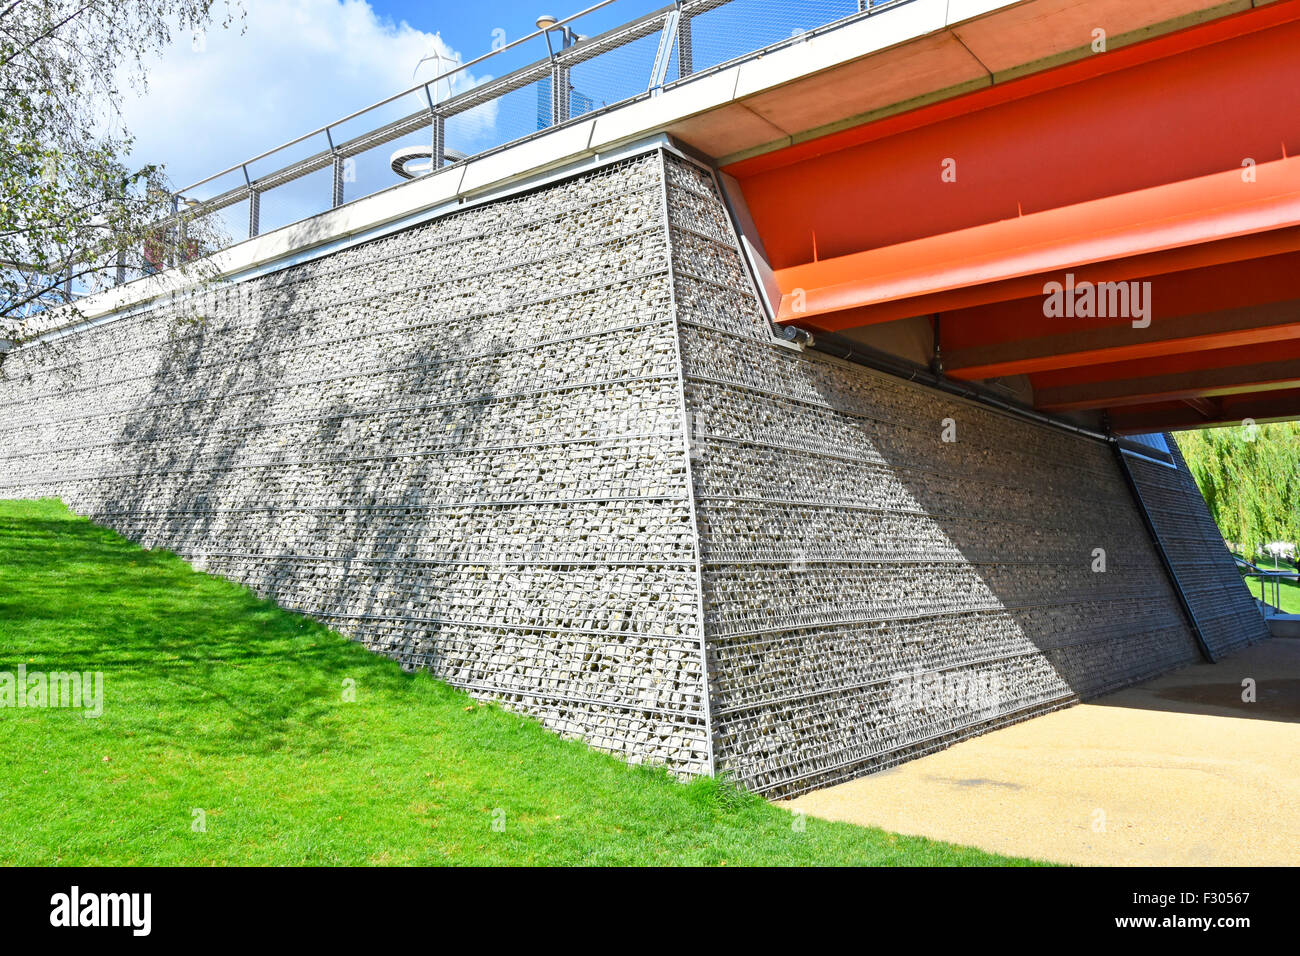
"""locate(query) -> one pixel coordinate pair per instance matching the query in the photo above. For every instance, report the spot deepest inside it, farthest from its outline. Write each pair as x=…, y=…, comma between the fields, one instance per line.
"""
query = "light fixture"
x=546, y=23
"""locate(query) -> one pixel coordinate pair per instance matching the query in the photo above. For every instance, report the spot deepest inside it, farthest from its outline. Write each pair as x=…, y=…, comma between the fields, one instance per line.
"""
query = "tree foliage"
x=75, y=215
x=1250, y=477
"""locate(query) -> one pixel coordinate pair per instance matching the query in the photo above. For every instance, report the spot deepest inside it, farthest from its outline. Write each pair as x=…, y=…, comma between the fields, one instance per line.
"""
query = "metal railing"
x=579, y=76
x=1267, y=608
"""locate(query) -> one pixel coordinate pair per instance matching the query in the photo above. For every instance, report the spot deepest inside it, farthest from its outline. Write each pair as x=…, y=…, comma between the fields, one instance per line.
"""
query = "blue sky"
x=217, y=99
x=468, y=26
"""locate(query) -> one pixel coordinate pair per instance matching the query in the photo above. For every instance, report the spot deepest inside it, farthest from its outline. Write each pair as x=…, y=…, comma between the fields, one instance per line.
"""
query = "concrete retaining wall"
x=547, y=448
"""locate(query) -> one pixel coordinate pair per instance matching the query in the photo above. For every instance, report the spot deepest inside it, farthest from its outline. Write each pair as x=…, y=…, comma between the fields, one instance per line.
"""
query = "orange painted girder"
x=1166, y=47
x=1233, y=285
x=1172, y=364
x=1272, y=383
x=1162, y=219
x=1127, y=353
x=1184, y=259
x=1078, y=133
x=1232, y=410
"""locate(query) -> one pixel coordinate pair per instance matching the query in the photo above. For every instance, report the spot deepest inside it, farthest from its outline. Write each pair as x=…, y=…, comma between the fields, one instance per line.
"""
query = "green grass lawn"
x=219, y=702
x=1290, y=590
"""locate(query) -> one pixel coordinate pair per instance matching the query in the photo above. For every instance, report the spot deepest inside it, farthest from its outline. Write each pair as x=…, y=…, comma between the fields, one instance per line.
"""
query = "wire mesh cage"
x=503, y=111
x=615, y=73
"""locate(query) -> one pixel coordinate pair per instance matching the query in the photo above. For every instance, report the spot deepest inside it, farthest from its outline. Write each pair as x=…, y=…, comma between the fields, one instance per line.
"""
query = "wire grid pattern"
x=724, y=32
x=463, y=444
x=872, y=592
x=460, y=444
x=1224, y=609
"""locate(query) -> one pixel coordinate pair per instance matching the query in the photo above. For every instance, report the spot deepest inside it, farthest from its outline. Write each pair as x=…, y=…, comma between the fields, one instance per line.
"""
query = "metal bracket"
x=336, y=199
x=254, y=212
x=438, y=145
x=667, y=40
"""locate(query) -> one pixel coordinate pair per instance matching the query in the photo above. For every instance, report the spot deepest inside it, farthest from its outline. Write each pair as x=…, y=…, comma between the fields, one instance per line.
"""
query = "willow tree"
x=75, y=214
x=1250, y=477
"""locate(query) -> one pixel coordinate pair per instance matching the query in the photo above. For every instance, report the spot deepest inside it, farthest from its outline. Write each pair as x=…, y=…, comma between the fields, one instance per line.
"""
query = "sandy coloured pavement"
x=1178, y=770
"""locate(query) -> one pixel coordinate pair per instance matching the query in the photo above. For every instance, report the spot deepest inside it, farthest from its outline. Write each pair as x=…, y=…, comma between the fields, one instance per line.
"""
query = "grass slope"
x=217, y=701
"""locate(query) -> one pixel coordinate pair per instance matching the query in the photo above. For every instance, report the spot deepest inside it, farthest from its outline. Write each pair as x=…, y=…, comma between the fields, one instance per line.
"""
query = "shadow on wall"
x=459, y=444
x=299, y=481
x=930, y=589
x=888, y=569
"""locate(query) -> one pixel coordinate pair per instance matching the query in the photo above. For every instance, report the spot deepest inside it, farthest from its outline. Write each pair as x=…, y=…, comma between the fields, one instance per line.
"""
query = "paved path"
x=1176, y=771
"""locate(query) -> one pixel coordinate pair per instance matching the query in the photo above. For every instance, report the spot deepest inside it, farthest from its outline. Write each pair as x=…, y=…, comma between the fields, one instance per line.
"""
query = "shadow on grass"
x=217, y=699
x=78, y=597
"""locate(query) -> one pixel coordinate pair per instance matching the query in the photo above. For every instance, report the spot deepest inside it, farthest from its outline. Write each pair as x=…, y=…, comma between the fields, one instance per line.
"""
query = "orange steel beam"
x=998, y=327
x=1089, y=67
x=1150, y=229
x=1210, y=383
x=1251, y=325
x=1191, y=257
x=1207, y=408
x=1261, y=378
x=1262, y=407
x=1176, y=118
x=1171, y=364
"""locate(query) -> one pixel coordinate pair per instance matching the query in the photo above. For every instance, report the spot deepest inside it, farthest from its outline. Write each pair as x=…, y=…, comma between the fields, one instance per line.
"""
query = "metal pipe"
x=841, y=348
x=685, y=52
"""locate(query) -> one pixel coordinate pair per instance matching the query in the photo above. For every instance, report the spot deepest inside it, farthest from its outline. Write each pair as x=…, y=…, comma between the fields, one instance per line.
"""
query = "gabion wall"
x=461, y=444
x=1224, y=609
x=872, y=591
x=548, y=449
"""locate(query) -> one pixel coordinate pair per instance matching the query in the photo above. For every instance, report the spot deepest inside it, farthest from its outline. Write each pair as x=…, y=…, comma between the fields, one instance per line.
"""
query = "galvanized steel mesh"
x=548, y=449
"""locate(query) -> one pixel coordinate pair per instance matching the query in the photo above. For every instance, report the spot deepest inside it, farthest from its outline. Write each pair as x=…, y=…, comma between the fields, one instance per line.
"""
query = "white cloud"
x=217, y=99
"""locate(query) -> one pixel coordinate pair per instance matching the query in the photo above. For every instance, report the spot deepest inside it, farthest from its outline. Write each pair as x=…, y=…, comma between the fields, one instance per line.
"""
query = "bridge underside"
x=1157, y=186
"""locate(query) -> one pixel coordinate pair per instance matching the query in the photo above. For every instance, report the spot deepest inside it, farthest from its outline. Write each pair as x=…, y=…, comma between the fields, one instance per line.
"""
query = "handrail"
x=693, y=44
x=685, y=29
x=1265, y=575
x=396, y=96
x=674, y=22
x=452, y=106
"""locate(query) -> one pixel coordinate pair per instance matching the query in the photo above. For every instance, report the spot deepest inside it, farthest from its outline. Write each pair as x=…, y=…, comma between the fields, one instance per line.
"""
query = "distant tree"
x=73, y=211
x=1250, y=477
